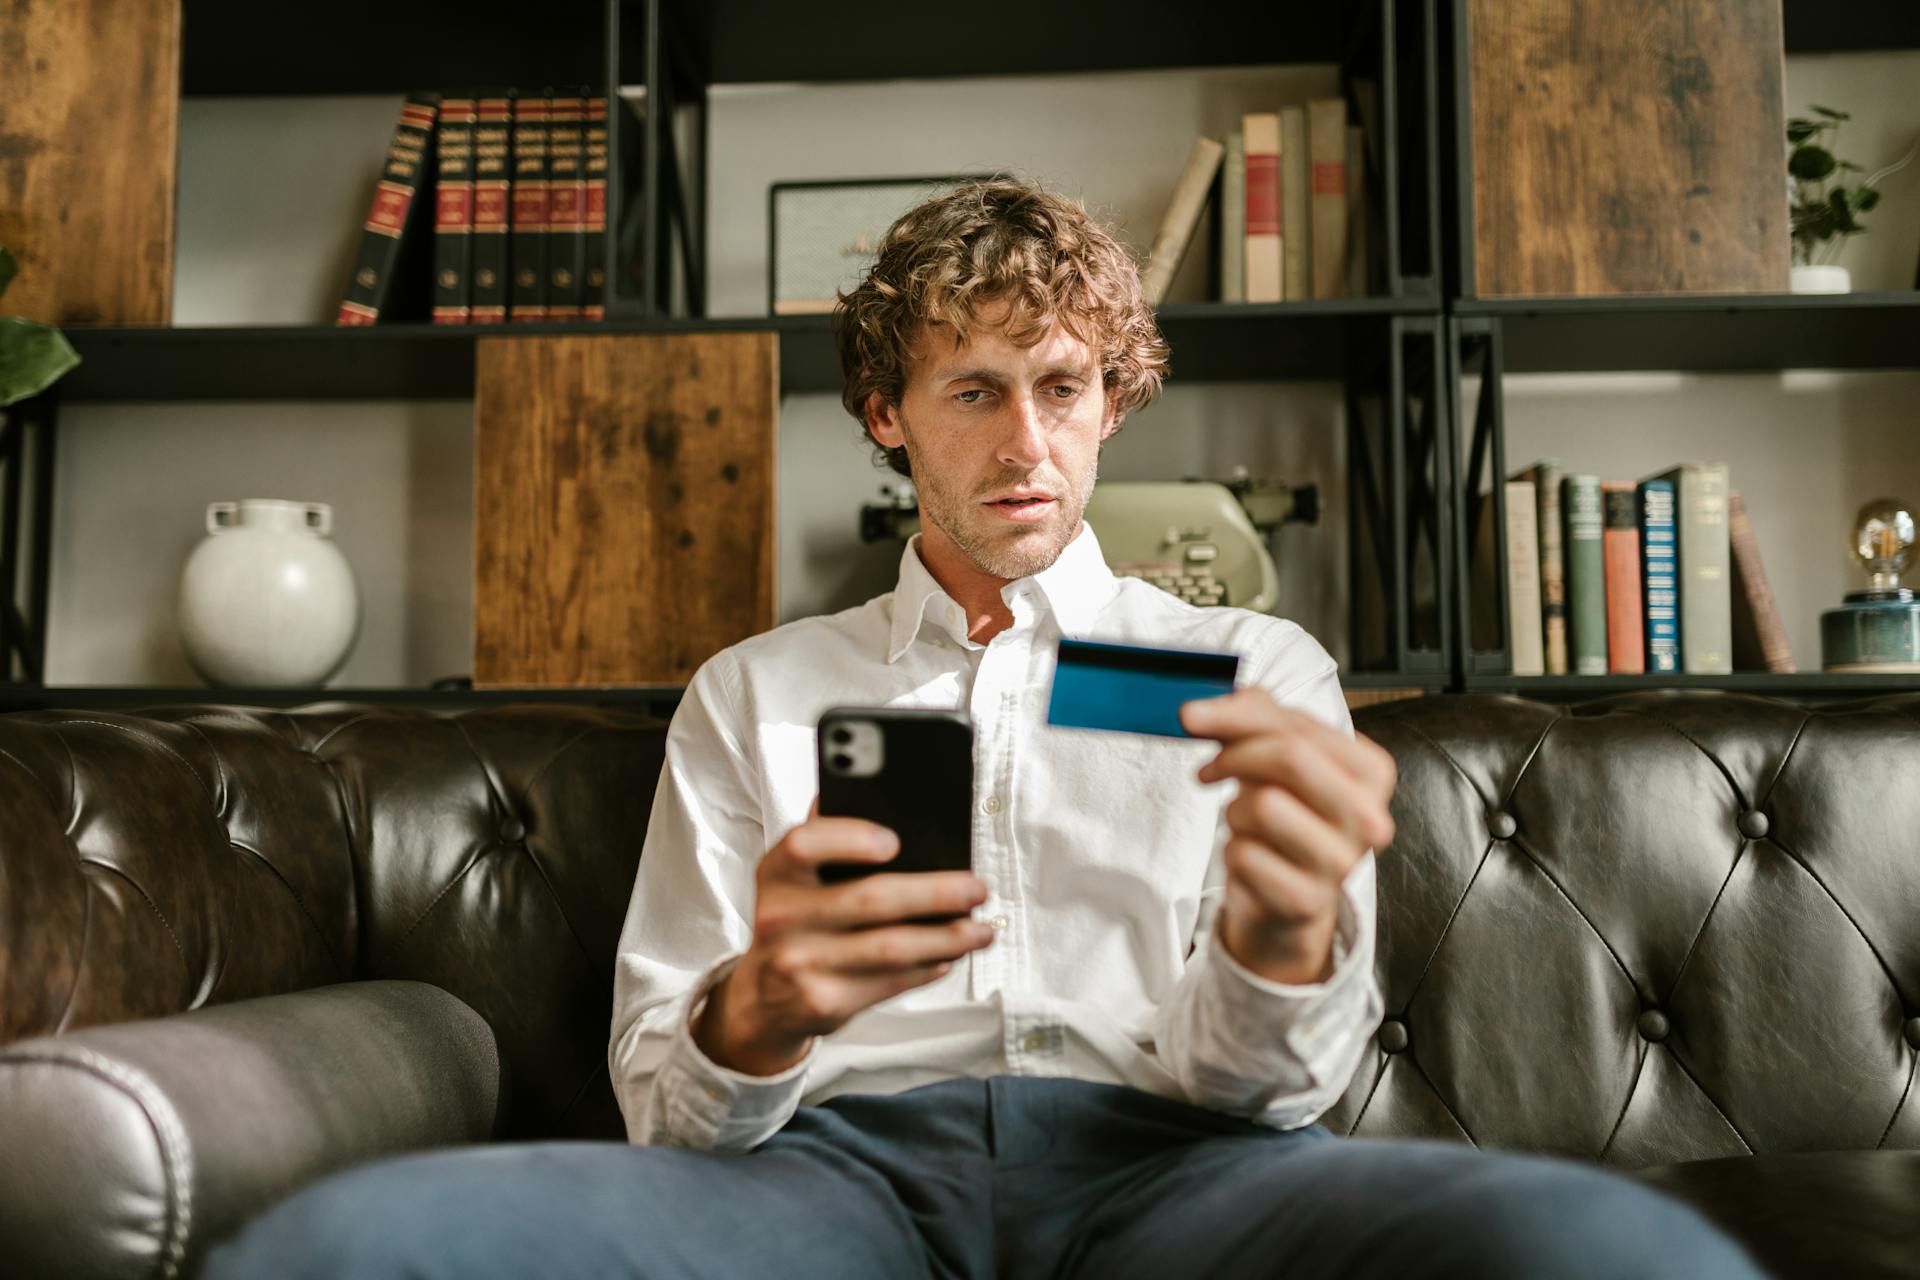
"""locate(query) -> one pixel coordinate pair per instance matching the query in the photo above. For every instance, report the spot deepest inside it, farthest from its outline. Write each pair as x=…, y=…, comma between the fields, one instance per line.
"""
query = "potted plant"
x=1825, y=201
x=33, y=356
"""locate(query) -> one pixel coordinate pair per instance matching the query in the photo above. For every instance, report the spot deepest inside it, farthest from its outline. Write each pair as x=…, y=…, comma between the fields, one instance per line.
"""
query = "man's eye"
x=969, y=393
x=1071, y=390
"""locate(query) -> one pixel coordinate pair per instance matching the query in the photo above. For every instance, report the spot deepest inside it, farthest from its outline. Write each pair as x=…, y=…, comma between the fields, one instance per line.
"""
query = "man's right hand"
x=822, y=953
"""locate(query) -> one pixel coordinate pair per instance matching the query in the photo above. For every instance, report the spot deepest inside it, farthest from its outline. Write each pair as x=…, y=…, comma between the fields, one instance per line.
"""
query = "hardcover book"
x=1232, y=236
x=566, y=207
x=1525, y=644
x=1296, y=203
x=1327, y=152
x=393, y=223
x=1660, y=573
x=453, y=211
x=593, y=303
x=492, y=190
x=1546, y=475
x=1626, y=624
x=1759, y=636
x=1181, y=218
x=527, y=291
x=1705, y=571
x=1586, y=575
x=1261, y=131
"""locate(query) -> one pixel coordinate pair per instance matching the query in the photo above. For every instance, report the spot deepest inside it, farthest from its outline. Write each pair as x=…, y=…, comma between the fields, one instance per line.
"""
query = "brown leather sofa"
x=239, y=948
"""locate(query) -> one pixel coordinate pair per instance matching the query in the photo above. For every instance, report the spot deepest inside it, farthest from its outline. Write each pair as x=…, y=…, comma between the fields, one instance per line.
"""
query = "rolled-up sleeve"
x=688, y=922
x=1279, y=1054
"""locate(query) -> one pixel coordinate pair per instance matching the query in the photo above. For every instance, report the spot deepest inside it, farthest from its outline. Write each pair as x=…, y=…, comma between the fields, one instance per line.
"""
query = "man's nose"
x=1025, y=442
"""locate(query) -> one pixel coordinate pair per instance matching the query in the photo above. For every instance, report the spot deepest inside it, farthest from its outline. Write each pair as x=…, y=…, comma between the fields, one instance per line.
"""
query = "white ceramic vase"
x=1821, y=279
x=266, y=598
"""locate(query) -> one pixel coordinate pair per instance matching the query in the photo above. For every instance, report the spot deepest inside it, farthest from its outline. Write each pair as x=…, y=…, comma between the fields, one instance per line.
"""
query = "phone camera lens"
x=842, y=761
x=842, y=735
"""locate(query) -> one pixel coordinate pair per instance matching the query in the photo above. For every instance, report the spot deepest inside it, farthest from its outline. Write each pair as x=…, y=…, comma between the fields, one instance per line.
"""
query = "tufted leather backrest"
x=189, y=856
x=1658, y=927
x=1644, y=929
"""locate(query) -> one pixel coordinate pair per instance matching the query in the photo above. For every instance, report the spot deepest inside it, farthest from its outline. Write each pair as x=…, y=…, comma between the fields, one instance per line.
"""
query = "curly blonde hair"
x=986, y=241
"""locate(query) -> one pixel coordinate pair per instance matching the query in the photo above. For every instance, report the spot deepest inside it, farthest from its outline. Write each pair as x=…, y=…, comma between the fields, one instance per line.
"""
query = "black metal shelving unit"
x=1384, y=348
x=1697, y=333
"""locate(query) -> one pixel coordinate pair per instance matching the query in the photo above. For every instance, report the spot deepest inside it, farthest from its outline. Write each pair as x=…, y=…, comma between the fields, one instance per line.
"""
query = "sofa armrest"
x=132, y=1148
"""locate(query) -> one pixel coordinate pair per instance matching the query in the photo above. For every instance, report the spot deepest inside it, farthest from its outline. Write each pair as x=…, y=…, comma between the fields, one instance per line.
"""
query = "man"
x=1162, y=973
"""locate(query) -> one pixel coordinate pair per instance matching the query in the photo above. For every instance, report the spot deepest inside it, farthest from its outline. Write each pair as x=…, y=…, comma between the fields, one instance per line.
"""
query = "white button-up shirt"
x=1101, y=853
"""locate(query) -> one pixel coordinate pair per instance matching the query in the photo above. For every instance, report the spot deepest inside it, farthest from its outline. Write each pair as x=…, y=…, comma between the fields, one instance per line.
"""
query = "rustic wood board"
x=623, y=504
x=89, y=145
x=1636, y=146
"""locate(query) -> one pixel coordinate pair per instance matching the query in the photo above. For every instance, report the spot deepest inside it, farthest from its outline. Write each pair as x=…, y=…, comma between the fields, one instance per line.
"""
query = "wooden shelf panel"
x=1705, y=332
x=1211, y=341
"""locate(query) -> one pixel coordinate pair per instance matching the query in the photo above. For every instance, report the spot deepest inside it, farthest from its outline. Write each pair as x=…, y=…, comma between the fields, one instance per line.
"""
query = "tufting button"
x=1754, y=824
x=512, y=831
x=1653, y=1026
x=1393, y=1035
x=1913, y=1032
x=1502, y=825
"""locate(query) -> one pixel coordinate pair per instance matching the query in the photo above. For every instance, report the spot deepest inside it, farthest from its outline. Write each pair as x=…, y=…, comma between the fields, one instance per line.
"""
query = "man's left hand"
x=1311, y=802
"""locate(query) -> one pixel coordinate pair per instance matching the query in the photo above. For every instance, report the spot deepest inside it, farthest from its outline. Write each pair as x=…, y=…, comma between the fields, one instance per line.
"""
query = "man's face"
x=1004, y=442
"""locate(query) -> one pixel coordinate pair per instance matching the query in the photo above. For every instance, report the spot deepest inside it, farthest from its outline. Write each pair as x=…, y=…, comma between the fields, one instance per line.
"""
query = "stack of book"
x=1604, y=577
x=1288, y=191
x=517, y=185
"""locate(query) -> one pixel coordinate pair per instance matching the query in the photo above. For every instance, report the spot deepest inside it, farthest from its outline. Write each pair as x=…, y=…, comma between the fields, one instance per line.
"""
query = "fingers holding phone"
x=867, y=898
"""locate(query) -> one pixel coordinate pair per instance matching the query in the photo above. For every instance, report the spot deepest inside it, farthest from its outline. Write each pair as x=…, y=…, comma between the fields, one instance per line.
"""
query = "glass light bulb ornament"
x=267, y=600
x=1877, y=628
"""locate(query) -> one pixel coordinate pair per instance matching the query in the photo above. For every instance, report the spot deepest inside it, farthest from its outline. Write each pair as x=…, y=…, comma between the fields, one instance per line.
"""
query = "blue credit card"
x=1133, y=688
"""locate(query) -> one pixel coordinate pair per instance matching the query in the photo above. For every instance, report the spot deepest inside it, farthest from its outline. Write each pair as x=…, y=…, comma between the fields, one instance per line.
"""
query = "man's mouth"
x=1022, y=508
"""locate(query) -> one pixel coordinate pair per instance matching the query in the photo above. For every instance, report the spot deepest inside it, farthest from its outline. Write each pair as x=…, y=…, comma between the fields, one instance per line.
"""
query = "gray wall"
x=272, y=192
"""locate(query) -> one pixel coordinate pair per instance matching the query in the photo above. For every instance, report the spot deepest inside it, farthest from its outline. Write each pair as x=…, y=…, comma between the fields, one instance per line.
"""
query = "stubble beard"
x=1006, y=551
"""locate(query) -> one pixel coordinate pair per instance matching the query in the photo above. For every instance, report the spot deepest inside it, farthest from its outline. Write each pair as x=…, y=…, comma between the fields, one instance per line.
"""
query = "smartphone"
x=908, y=770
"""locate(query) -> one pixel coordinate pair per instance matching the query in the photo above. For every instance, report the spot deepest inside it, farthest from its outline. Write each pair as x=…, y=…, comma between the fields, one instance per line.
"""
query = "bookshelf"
x=1400, y=354
x=1489, y=338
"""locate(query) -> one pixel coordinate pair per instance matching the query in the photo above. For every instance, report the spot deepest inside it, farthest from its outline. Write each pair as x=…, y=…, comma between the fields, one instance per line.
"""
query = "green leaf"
x=1841, y=201
x=1798, y=131
x=1848, y=164
x=1814, y=222
x=1810, y=164
x=1864, y=198
x=8, y=268
x=33, y=357
x=1830, y=113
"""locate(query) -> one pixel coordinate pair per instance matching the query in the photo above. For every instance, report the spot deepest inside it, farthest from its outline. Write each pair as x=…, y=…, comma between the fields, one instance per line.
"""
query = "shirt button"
x=1034, y=1041
x=992, y=805
x=999, y=923
x=715, y=1092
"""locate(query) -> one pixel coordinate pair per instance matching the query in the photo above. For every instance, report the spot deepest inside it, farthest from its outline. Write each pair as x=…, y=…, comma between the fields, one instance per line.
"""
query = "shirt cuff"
x=1317, y=1018
x=711, y=1107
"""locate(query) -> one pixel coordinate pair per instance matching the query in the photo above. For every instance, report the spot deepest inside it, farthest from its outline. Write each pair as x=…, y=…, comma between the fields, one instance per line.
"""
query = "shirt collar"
x=1076, y=586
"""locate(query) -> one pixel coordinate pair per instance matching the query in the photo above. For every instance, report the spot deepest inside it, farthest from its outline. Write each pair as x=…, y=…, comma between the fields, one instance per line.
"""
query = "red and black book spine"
x=492, y=186
x=453, y=212
x=594, y=275
x=527, y=294
x=394, y=218
x=566, y=207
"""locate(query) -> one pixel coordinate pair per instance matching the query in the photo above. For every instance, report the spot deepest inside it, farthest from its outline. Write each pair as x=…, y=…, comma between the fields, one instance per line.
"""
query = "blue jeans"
x=1013, y=1177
